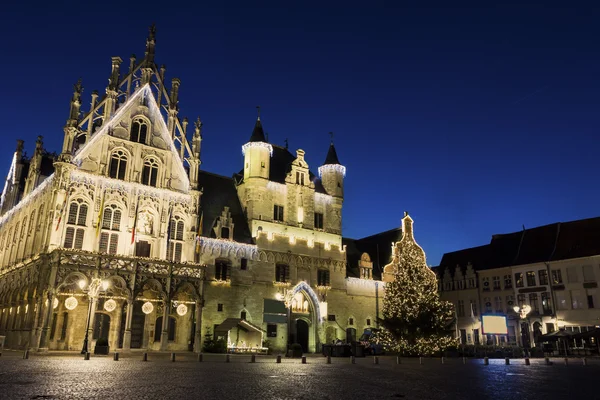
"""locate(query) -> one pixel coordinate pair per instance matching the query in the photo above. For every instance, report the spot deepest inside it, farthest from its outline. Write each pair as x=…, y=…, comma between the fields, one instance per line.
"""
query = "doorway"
x=137, y=326
x=101, y=326
x=302, y=334
x=142, y=249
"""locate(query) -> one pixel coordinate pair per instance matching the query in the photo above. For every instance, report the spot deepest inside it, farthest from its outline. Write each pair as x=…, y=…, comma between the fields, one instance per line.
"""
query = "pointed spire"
x=332, y=157
x=258, y=134
x=75, y=104
x=150, y=43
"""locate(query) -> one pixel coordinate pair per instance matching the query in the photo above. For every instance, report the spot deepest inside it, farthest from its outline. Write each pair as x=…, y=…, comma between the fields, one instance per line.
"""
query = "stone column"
x=47, y=317
x=198, y=332
x=164, y=337
x=128, y=319
x=29, y=318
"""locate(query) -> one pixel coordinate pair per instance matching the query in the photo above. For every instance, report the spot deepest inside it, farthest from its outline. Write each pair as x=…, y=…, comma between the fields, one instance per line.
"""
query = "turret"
x=257, y=153
x=332, y=173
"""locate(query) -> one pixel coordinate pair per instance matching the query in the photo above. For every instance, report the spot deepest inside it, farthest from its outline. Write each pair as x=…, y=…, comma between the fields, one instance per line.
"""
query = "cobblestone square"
x=70, y=377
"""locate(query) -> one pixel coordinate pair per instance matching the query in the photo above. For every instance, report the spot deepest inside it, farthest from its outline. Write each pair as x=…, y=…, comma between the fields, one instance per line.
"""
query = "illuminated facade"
x=172, y=251
x=552, y=269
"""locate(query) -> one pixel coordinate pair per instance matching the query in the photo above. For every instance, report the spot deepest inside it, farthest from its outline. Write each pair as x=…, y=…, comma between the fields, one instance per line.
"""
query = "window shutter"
x=79, y=239
x=82, y=217
x=73, y=208
x=103, y=243
x=69, y=235
x=114, y=241
x=116, y=222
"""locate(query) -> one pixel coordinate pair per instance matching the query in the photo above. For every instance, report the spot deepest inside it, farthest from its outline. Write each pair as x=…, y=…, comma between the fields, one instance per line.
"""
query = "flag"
x=135, y=221
x=199, y=232
x=100, y=213
x=169, y=230
x=63, y=208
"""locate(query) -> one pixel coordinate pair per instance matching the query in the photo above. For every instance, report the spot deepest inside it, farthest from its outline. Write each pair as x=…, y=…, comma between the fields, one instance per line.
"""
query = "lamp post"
x=92, y=290
x=522, y=311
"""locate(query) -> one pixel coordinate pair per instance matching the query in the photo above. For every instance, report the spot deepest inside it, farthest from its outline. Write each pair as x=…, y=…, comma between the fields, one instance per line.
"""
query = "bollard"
x=527, y=362
x=173, y=357
x=507, y=361
x=26, y=355
x=200, y=357
x=486, y=361
x=442, y=360
x=86, y=356
x=420, y=360
x=584, y=361
x=253, y=358
x=464, y=360
x=398, y=361
x=303, y=359
x=145, y=357
x=227, y=358
x=566, y=361
x=547, y=361
x=353, y=360
x=328, y=359
x=116, y=356
x=278, y=359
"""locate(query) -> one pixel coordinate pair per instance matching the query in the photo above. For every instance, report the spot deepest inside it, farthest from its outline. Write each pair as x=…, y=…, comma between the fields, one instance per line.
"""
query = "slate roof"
x=258, y=134
x=558, y=241
x=219, y=192
x=332, y=157
x=378, y=247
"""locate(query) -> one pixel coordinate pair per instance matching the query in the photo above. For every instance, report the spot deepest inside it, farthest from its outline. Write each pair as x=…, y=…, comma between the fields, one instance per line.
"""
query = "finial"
x=78, y=88
x=258, y=111
x=152, y=30
x=405, y=213
x=198, y=124
x=150, y=43
x=286, y=143
x=331, y=136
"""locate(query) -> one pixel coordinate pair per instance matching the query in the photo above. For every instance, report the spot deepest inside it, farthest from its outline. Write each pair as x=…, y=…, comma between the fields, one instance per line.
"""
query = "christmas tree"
x=415, y=321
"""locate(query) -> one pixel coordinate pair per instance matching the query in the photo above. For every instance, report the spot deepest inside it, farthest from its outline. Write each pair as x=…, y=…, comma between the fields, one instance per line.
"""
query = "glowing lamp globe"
x=82, y=283
x=71, y=303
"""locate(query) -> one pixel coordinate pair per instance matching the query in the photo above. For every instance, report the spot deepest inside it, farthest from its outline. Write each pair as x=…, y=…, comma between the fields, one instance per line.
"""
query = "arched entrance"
x=101, y=326
x=302, y=334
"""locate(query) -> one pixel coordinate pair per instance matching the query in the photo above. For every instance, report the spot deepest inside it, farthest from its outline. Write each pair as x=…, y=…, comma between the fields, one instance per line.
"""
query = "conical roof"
x=332, y=157
x=258, y=134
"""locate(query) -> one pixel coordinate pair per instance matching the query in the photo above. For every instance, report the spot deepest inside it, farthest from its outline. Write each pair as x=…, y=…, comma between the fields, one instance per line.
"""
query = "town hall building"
x=123, y=237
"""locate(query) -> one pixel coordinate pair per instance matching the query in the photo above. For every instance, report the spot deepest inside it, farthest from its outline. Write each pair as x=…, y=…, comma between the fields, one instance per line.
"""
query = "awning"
x=231, y=323
x=554, y=336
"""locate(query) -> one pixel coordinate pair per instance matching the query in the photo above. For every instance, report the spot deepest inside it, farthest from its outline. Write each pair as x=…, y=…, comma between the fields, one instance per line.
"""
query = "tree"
x=415, y=321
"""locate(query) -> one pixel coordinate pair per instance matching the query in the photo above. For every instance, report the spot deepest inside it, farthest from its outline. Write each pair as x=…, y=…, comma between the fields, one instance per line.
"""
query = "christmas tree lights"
x=415, y=321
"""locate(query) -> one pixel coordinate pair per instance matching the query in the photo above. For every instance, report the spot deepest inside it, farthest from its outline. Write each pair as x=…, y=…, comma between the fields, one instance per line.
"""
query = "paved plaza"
x=68, y=376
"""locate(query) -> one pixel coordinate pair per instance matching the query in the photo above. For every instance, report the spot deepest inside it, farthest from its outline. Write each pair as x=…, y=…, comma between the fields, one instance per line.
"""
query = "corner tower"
x=257, y=153
x=332, y=174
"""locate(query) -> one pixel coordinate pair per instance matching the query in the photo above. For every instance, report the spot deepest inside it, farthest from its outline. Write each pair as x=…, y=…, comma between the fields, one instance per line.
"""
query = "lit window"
x=318, y=220
x=139, y=130
x=278, y=213
x=118, y=165
x=150, y=172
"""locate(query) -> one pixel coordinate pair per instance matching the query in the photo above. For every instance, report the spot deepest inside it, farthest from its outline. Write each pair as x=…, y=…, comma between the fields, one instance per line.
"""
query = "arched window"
x=175, y=248
x=111, y=225
x=150, y=172
x=118, y=165
x=139, y=130
x=78, y=211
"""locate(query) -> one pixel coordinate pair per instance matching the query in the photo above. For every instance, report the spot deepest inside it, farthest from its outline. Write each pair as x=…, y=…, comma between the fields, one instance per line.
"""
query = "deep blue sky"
x=475, y=119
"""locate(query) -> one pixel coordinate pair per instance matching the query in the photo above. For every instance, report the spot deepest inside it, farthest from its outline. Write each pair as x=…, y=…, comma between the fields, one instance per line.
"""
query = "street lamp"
x=93, y=290
x=522, y=311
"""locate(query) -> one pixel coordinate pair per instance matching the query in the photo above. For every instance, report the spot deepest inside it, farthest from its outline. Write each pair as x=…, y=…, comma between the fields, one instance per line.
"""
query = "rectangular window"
x=243, y=315
x=576, y=300
x=318, y=221
x=108, y=243
x=543, y=276
x=521, y=299
x=498, y=304
x=588, y=274
x=572, y=274
x=507, y=282
x=519, y=279
x=591, y=295
x=323, y=277
x=533, y=302
x=331, y=317
x=277, y=213
x=368, y=321
x=496, y=281
x=271, y=330
x=556, y=277
x=282, y=273
x=562, y=300
x=487, y=302
x=74, y=238
x=510, y=302
x=244, y=264
x=460, y=309
x=220, y=307
x=221, y=270
x=174, y=251
x=546, y=303
x=350, y=321
x=476, y=336
x=530, y=278
x=463, y=336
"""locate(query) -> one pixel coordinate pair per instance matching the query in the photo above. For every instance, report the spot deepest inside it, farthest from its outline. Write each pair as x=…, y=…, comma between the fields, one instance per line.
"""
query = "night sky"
x=474, y=120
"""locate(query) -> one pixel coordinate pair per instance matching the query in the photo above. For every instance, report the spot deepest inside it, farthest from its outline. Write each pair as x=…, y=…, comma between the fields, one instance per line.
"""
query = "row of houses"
x=553, y=269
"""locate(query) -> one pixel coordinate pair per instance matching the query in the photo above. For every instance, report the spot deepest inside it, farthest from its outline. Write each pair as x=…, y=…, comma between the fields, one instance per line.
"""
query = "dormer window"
x=139, y=130
x=299, y=178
